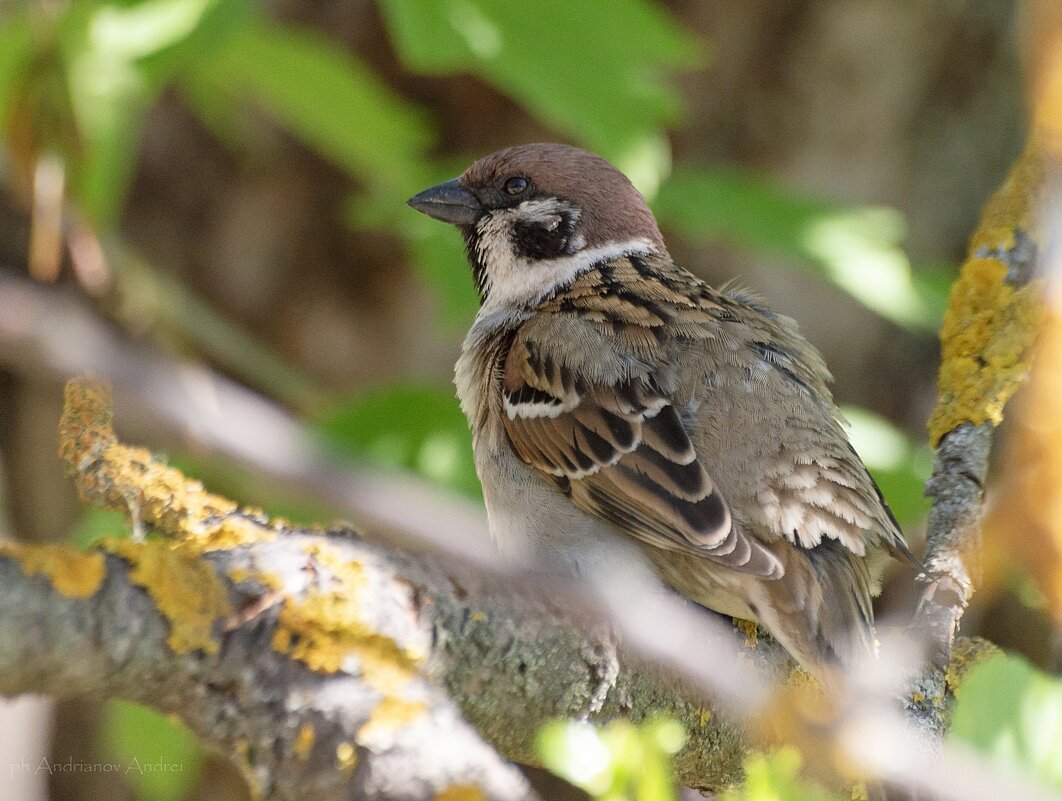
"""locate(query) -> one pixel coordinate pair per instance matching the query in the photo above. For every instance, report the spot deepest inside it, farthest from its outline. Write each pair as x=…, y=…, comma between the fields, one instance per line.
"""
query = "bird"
x=615, y=398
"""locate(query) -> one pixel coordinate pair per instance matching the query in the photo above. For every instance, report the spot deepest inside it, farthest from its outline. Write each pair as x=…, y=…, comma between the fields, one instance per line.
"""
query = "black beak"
x=448, y=202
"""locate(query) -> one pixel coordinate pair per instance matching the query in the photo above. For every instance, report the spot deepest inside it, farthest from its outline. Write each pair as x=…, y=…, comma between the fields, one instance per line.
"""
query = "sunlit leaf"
x=1013, y=714
x=858, y=249
x=616, y=762
x=776, y=776
x=158, y=756
x=114, y=69
x=419, y=428
x=573, y=65
x=576, y=752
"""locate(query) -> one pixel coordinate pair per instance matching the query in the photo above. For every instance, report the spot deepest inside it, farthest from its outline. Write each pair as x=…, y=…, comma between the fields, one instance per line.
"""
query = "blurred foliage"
x=565, y=68
x=417, y=428
x=95, y=524
x=856, y=248
x=155, y=754
x=1012, y=713
x=624, y=762
x=898, y=465
x=776, y=776
x=617, y=762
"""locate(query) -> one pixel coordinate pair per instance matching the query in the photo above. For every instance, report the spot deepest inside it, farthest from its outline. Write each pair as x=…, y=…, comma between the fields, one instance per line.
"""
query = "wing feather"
x=624, y=455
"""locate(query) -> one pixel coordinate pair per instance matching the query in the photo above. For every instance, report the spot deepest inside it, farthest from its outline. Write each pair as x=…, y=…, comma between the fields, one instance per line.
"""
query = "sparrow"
x=615, y=397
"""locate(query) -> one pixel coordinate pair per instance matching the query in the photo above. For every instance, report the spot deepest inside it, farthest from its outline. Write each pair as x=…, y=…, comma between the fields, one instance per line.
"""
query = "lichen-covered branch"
x=313, y=658
x=301, y=656
x=989, y=328
x=178, y=631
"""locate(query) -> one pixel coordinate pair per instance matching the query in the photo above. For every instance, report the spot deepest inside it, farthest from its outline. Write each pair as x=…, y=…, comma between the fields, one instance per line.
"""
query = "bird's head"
x=533, y=216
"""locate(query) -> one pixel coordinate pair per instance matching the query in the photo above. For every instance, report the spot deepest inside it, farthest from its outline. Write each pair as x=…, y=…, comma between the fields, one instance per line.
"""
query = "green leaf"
x=16, y=45
x=1013, y=714
x=158, y=756
x=617, y=762
x=338, y=107
x=856, y=248
x=96, y=524
x=776, y=776
x=118, y=57
x=327, y=98
x=418, y=428
x=572, y=64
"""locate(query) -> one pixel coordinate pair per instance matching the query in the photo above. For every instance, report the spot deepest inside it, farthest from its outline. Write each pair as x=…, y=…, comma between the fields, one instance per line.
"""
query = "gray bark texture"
x=507, y=656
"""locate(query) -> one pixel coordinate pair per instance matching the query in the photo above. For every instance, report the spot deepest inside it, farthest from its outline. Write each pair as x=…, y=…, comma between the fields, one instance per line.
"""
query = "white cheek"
x=518, y=282
x=514, y=280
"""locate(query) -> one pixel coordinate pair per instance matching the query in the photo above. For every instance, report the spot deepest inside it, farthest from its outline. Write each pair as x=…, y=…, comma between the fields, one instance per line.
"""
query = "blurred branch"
x=46, y=331
x=1025, y=521
x=994, y=317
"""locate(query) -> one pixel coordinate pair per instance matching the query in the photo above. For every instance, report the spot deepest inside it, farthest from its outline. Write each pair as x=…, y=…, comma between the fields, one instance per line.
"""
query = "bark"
x=319, y=662
x=987, y=339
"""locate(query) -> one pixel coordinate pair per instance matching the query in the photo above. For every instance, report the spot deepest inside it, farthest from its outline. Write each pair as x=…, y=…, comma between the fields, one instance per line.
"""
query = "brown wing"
x=620, y=451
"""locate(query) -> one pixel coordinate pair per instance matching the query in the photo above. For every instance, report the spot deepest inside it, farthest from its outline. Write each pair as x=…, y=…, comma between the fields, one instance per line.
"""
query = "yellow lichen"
x=184, y=587
x=460, y=792
x=115, y=476
x=991, y=322
x=1014, y=205
x=479, y=617
x=751, y=631
x=346, y=758
x=242, y=575
x=73, y=573
x=966, y=653
x=327, y=628
x=304, y=741
x=704, y=715
x=390, y=715
x=240, y=757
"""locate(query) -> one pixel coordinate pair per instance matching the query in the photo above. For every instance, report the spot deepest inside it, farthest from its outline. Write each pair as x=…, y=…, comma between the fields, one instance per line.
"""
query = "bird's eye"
x=517, y=185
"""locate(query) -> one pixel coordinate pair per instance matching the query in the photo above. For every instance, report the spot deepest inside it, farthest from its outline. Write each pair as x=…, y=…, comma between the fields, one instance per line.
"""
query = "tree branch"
x=316, y=656
x=989, y=328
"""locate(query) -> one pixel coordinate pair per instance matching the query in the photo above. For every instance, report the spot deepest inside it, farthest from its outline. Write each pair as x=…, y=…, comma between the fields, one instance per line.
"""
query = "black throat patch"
x=546, y=239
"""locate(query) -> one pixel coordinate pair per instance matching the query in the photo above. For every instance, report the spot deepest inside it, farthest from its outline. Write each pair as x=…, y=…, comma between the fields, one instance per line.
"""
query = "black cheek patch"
x=535, y=240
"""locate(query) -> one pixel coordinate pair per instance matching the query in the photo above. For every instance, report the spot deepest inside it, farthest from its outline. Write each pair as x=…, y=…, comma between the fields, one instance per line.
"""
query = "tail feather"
x=820, y=610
